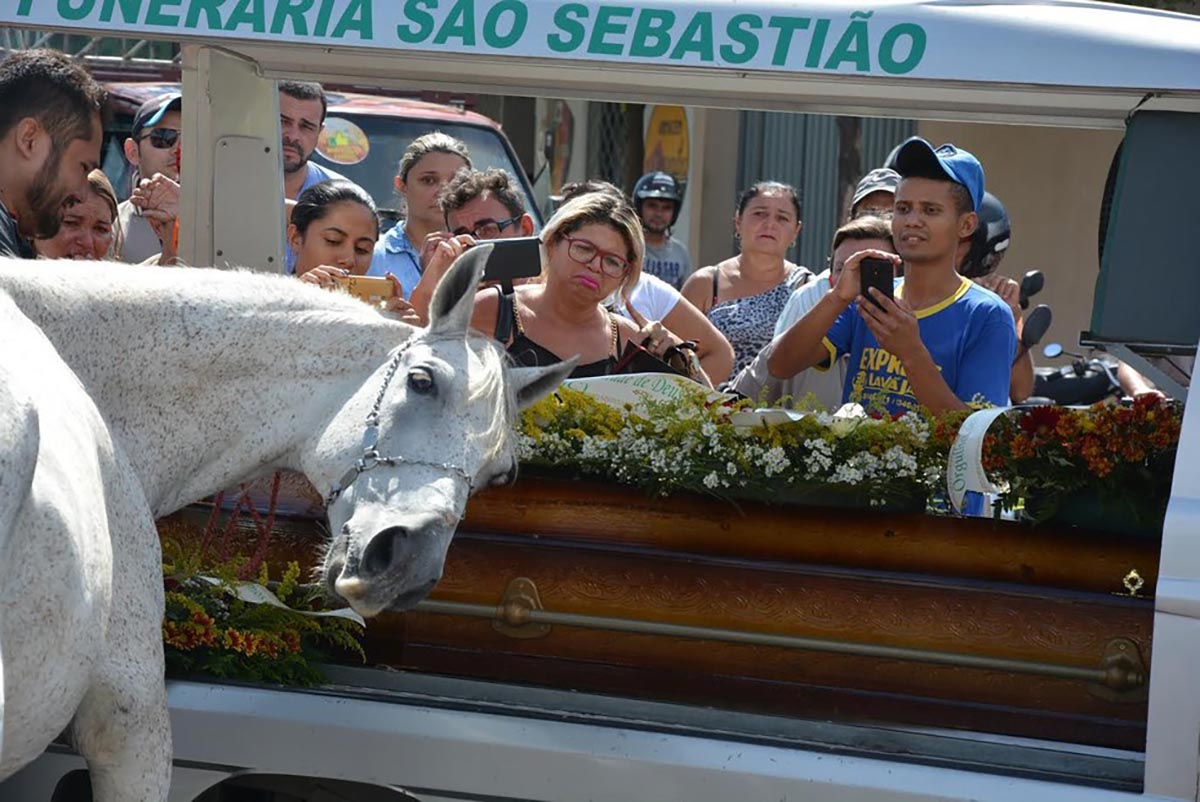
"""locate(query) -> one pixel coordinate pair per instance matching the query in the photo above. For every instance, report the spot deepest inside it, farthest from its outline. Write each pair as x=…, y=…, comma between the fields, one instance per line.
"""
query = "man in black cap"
x=50, y=136
x=153, y=150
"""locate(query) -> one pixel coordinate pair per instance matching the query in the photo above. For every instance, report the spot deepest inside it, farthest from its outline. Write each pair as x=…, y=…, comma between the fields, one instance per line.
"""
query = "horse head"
x=422, y=433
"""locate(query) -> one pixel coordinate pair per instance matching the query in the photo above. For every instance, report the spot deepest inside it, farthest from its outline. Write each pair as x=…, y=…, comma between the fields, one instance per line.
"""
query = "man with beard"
x=50, y=135
x=657, y=199
x=153, y=150
x=302, y=109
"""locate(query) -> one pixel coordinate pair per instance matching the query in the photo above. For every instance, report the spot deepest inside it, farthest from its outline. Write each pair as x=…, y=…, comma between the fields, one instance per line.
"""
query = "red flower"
x=1041, y=421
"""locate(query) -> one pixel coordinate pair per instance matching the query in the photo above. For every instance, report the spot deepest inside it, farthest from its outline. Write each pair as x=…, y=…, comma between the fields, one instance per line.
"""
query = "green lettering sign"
x=293, y=10
x=916, y=48
x=697, y=38
x=23, y=8
x=248, y=12
x=156, y=16
x=787, y=26
x=817, y=45
x=67, y=9
x=739, y=30
x=130, y=10
x=420, y=21
x=652, y=33
x=854, y=47
x=609, y=20
x=212, y=14
x=322, y=27
x=566, y=18
x=491, y=24
x=356, y=17
x=460, y=24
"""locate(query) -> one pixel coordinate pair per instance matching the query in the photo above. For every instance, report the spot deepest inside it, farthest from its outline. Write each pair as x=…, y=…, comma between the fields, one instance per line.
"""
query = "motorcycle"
x=1086, y=381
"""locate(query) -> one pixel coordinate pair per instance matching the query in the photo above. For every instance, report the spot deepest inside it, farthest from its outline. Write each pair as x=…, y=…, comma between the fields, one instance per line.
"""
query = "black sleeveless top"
x=527, y=353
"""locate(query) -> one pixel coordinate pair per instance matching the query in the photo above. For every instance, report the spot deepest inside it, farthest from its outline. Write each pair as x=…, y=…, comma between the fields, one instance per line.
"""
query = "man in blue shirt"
x=944, y=341
x=302, y=109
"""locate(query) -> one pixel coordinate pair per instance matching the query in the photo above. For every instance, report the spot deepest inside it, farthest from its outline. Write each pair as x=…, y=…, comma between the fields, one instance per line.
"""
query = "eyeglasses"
x=162, y=138
x=885, y=213
x=489, y=229
x=584, y=251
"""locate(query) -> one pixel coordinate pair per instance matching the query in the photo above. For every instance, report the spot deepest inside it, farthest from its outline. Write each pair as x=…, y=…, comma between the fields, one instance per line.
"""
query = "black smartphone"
x=877, y=273
x=513, y=258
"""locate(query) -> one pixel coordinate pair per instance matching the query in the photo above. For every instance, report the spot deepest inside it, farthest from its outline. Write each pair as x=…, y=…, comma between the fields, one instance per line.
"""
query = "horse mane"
x=496, y=362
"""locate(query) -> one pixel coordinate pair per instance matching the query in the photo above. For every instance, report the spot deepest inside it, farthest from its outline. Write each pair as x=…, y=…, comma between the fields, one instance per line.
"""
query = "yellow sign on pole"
x=667, y=146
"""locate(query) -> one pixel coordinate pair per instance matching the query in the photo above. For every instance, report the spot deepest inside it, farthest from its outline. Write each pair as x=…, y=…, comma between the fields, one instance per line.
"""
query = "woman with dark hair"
x=89, y=228
x=744, y=295
x=332, y=233
x=426, y=167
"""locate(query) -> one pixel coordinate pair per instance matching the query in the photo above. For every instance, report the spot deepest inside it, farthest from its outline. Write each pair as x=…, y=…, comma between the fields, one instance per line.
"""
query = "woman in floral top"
x=744, y=295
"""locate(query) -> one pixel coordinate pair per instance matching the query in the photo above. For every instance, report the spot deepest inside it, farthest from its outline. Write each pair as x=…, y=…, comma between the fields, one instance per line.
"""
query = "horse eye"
x=420, y=381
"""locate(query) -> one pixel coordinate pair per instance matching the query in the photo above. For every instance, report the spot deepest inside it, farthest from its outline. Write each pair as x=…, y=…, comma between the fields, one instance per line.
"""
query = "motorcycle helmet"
x=990, y=241
x=658, y=185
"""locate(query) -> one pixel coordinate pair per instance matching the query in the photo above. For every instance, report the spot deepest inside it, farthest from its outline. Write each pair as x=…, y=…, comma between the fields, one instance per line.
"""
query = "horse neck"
x=205, y=377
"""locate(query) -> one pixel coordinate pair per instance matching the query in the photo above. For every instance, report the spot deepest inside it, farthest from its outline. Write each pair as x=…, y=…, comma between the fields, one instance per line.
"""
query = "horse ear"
x=534, y=384
x=454, y=298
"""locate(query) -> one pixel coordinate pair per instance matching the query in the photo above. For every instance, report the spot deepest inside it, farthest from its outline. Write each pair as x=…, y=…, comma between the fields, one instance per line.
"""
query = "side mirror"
x=1052, y=351
x=1031, y=285
x=1036, y=325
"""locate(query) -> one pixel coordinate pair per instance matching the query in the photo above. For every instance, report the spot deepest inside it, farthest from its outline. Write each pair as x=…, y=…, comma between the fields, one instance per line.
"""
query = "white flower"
x=712, y=481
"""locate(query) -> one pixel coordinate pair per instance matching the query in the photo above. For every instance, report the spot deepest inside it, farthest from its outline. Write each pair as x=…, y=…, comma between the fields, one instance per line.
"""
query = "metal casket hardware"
x=512, y=613
x=1126, y=673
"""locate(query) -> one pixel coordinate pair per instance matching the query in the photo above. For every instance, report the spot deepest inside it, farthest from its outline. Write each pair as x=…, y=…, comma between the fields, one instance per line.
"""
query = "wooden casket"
x=820, y=613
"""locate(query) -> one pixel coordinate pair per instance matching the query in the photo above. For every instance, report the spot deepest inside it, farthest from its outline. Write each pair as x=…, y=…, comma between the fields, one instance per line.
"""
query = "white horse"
x=203, y=378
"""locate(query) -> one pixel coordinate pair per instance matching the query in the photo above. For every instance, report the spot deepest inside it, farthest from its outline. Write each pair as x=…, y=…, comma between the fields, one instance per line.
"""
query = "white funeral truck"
x=374, y=734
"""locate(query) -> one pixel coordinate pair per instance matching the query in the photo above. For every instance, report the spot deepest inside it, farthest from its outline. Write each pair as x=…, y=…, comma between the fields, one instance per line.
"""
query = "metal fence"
x=802, y=150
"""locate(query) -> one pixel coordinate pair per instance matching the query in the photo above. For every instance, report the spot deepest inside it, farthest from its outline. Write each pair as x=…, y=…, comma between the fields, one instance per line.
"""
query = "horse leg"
x=122, y=728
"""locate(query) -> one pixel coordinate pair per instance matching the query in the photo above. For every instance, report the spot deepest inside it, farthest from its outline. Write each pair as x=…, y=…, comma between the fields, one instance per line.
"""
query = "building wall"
x=1051, y=181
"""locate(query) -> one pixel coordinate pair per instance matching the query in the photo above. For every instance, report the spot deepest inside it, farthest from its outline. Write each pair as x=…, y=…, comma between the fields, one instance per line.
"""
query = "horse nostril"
x=346, y=529
x=377, y=557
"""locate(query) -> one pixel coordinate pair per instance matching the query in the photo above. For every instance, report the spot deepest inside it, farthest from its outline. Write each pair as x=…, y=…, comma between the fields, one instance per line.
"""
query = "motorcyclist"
x=657, y=197
x=980, y=255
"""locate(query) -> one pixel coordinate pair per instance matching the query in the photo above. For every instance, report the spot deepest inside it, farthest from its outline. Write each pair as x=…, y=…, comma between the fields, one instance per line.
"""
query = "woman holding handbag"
x=591, y=248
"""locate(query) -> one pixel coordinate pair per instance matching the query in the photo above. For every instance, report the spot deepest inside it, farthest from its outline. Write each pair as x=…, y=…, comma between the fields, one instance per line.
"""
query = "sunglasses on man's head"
x=162, y=138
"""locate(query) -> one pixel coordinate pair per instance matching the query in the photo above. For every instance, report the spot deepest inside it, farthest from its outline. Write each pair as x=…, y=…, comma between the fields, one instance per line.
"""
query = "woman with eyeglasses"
x=426, y=167
x=591, y=248
x=744, y=295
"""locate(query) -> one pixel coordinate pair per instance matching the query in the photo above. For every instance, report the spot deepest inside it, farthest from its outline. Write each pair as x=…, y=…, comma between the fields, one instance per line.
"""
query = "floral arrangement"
x=210, y=628
x=694, y=445
x=1121, y=456
x=1041, y=454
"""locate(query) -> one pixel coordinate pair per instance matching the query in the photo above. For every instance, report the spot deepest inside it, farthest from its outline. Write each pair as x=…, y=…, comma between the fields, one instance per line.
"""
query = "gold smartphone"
x=371, y=289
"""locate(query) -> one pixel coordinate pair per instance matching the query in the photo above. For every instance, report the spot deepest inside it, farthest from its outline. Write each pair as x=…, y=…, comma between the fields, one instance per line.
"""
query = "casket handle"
x=1120, y=676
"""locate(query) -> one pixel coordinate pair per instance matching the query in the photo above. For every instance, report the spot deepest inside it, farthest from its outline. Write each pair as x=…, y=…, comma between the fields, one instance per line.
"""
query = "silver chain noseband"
x=371, y=458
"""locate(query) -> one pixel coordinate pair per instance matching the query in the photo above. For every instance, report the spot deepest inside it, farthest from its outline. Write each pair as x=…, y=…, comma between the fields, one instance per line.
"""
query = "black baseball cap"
x=152, y=111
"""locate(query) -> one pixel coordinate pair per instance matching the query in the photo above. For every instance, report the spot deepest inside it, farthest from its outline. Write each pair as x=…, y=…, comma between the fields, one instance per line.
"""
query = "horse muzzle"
x=395, y=568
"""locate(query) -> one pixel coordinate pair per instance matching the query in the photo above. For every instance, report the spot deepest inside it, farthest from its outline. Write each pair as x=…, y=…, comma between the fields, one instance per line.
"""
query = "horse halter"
x=371, y=458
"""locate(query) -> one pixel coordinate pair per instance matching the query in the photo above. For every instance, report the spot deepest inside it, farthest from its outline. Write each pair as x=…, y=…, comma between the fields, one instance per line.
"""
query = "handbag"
x=679, y=360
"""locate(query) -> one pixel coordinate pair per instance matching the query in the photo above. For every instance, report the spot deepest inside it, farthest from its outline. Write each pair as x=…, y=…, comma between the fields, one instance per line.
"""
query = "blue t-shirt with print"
x=315, y=175
x=395, y=254
x=970, y=335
